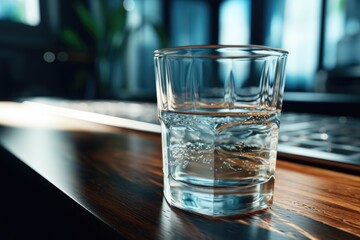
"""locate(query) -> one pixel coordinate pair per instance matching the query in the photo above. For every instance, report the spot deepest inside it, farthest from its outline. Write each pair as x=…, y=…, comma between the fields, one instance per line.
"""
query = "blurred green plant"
x=108, y=31
x=109, y=36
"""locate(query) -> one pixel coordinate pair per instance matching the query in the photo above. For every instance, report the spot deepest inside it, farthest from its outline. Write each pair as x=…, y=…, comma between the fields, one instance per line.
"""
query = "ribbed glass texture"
x=231, y=78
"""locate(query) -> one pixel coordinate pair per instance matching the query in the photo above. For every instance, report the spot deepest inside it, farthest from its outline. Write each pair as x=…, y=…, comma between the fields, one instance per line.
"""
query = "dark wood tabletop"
x=66, y=177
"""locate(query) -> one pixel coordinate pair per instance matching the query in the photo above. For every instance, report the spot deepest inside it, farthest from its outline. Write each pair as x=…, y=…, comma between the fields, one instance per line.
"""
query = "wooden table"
x=67, y=178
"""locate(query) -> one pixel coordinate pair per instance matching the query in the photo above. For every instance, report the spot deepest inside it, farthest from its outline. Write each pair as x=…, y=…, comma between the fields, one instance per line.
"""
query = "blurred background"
x=103, y=49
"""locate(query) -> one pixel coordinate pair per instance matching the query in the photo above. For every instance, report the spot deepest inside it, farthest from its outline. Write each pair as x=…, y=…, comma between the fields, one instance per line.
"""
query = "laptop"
x=330, y=139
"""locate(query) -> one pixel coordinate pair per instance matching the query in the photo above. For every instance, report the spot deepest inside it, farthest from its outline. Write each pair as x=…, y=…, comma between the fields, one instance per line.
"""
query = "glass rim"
x=176, y=51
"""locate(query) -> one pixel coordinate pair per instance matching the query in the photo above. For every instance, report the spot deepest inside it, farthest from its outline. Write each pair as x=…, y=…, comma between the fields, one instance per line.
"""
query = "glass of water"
x=219, y=108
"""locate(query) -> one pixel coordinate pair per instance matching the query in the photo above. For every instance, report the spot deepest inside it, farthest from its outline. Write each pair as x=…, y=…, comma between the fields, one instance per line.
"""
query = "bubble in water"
x=234, y=148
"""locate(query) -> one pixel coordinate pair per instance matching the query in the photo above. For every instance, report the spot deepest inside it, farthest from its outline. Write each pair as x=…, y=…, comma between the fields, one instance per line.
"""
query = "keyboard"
x=321, y=139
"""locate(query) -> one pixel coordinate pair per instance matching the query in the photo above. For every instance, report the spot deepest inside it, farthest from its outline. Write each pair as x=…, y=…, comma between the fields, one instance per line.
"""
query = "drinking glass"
x=219, y=108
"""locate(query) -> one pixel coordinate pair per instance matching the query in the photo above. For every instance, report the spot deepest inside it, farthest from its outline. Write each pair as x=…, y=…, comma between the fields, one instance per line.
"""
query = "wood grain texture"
x=117, y=176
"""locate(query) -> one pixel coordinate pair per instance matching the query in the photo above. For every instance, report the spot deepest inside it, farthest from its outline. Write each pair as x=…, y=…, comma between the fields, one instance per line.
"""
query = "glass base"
x=215, y=201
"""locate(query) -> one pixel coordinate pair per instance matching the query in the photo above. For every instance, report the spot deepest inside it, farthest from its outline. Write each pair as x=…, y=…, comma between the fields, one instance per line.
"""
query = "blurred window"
x=319, y=34
x=301, y=37
x=189, y=21
x=234, y=27
x=296, y=27
x=342, y=34
x=143, y=16
x=23, y=11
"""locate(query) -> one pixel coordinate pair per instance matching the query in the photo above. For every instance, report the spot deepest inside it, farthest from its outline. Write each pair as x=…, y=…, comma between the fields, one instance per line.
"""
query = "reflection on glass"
x=23, y=11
